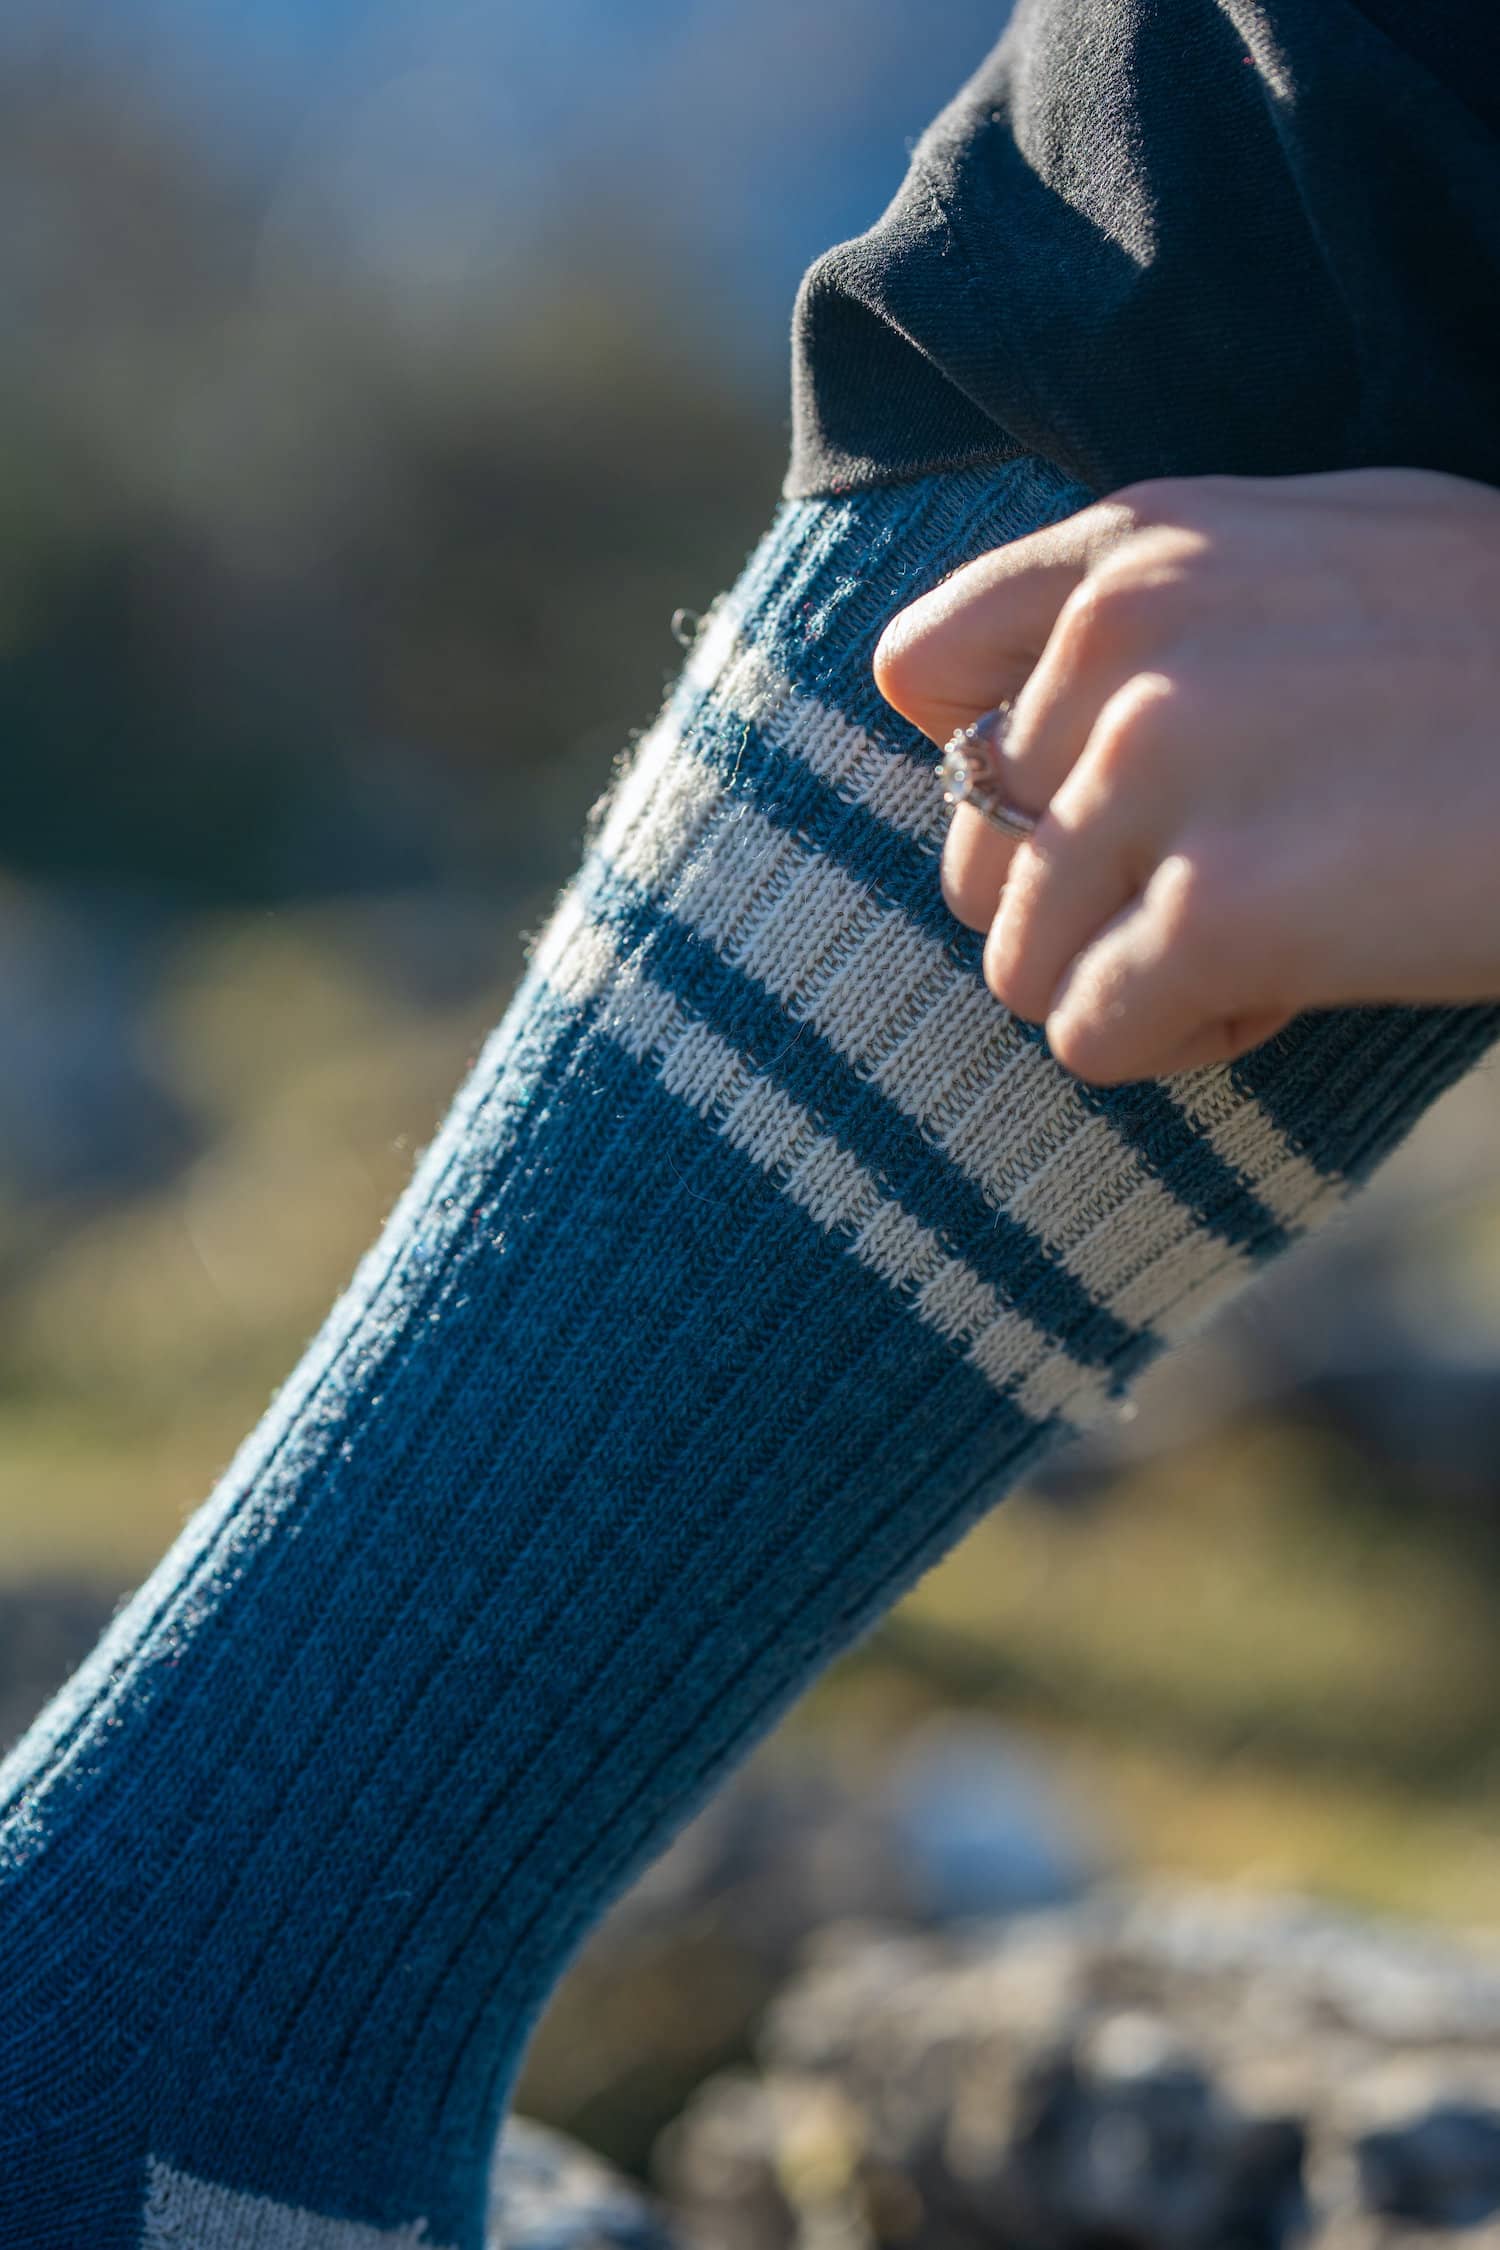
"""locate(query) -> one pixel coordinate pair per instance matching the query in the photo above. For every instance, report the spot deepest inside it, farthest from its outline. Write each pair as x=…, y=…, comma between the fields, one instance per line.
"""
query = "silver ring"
x=970, y=771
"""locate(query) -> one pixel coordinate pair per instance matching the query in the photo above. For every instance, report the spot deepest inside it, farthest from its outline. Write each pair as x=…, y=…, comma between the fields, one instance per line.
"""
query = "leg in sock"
x=760, y=1253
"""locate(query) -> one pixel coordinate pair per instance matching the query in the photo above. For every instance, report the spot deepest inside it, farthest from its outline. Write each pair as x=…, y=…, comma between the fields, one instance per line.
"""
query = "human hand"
x=1260, y=719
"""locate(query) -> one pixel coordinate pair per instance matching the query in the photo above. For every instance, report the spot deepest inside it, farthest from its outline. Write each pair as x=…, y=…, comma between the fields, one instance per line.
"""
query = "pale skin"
x=1260, y=718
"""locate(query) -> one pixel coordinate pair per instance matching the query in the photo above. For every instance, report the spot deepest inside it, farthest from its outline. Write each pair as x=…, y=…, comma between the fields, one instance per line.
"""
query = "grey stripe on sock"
x=183, y=2213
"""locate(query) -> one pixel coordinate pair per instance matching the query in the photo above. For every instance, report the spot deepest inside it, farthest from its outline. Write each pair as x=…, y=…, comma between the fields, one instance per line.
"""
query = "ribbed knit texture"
x=760, y=1253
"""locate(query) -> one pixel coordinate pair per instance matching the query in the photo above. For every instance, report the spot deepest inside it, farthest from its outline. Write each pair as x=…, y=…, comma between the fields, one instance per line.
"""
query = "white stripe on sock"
x=1242, y=1133
x=886, y=995
x=906, y=793
x=889, y=999
x=185, y=2213
x=754, y=1115
x=714, y=645
x=657, y=808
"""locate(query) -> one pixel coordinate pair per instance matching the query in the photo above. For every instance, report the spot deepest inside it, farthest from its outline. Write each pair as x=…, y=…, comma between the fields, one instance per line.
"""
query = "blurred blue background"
x=377, y=381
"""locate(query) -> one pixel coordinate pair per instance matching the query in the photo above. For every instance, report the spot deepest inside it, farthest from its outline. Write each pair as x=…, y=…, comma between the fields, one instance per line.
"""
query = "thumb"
x=971, y=642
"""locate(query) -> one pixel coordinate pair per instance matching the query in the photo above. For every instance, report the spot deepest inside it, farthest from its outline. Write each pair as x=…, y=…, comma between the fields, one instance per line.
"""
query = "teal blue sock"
x=761, y=1251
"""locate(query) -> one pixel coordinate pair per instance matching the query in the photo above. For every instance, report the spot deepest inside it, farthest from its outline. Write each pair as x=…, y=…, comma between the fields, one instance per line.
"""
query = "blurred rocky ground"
x=1166, y=2070
x=955, y=2036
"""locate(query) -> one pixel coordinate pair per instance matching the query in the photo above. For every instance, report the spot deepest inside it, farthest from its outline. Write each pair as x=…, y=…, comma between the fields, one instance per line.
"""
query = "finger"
x=1082, y=730
x=1066, y=884
x=976, y=860
x=1224, y=1042
x=1093, y=655
x=1131, y=1002
x=1104, y=833
x=970, y=643
x=1134, y=1005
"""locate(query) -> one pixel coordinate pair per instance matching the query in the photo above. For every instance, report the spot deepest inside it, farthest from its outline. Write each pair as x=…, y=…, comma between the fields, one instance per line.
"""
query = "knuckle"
x=997, y=977
x=1023, y=996
x=1000, y=974
x=1160, y=500
x=1188, y=916
x=1208, y=909
x=968, y=899
x=1186, y=902
x=1142, y=733
x=1085, y=1048
x=1050, y=852
x=1141, y=503
x=1114, y=755
x=914, y=665
x=1111, y=615
x=1006, y=961
x=901, y=666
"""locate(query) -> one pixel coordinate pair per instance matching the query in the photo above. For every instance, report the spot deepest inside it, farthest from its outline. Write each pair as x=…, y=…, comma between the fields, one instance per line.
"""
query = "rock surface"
x=547, y=2193
x=1157, y=2070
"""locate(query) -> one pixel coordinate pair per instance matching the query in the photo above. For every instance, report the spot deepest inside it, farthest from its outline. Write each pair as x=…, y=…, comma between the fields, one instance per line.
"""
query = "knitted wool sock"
x=760, y=1252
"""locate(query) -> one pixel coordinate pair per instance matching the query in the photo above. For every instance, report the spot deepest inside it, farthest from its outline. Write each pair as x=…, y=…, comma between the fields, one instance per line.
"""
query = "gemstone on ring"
x=970, y=772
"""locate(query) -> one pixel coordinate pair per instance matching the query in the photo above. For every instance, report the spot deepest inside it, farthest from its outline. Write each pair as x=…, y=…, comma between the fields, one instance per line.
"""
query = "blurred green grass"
x=1257, y=1665
x=138, y=1342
